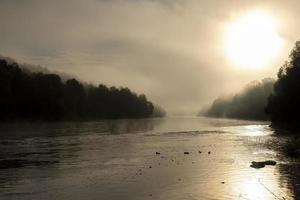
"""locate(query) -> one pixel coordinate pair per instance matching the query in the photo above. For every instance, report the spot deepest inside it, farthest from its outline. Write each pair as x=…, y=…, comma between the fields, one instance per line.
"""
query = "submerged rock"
x=258, y=165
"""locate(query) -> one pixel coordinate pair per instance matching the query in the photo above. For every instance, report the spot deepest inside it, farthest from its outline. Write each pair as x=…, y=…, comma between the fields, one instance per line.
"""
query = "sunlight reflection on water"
x=117, y=160
x=251, y=130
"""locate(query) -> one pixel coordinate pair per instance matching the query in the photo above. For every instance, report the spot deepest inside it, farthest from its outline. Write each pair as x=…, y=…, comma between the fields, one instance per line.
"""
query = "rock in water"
x=257, y=165
x=270, y=162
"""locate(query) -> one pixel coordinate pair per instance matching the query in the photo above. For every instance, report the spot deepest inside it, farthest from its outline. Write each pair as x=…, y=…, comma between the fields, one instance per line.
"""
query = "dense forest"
x=284, y=103
x=247, y=104
x=28, y=95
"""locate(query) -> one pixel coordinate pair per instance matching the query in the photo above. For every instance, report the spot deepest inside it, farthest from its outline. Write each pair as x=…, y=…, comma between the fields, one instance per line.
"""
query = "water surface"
x=117, y=159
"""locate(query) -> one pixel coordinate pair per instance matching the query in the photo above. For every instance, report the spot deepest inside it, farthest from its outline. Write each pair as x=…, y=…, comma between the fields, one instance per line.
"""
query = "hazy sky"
x=171, y=50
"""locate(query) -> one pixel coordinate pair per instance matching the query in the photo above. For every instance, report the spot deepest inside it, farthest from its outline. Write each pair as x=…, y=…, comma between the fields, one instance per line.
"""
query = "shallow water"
x=117, y=159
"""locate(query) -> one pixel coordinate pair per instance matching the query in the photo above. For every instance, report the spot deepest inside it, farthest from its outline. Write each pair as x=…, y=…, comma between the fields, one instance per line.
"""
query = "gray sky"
x=171, y=50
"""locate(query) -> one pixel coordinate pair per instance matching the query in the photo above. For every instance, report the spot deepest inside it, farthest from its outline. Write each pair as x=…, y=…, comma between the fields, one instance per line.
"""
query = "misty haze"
x=149, y=99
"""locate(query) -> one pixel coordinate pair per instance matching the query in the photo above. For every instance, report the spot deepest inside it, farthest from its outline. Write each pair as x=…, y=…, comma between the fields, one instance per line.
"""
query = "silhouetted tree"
x=284, y=103
x=39, y=96
x=74, y=97
x=248, y=104
x=158, y=111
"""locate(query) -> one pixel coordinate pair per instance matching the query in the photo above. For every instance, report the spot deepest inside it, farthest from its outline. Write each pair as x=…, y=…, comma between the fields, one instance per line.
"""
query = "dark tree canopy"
x=40, y=96
x=247, y=104
x=284, y=103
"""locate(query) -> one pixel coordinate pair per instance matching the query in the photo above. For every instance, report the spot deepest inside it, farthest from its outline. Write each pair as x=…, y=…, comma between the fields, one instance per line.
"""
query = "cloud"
x=170, y=50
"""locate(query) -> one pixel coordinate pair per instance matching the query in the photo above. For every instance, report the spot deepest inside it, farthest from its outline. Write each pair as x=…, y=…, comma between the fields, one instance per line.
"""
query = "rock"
x=223, y=182
x=258, y=165
x=186, y=152
x=209, y=152
x=199, y=152
x=270, y=162
x=150, y=167
x=157, y=153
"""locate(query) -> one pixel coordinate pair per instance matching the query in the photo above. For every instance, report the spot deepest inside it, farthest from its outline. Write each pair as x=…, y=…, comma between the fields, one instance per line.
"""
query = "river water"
x=117, y=160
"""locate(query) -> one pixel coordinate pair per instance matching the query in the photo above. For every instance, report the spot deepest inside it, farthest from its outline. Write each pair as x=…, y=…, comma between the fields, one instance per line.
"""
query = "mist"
x=249, y=103
x=170, y=50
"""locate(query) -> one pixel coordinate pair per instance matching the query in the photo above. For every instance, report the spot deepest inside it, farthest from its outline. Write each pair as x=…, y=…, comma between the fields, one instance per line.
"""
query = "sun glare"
x=252, y=41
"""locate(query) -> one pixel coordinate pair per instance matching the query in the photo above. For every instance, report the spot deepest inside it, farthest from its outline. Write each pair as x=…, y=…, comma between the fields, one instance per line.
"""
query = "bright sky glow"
x=252, y=41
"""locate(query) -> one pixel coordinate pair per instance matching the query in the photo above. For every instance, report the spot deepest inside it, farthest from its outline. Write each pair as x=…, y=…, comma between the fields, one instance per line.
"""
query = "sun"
x=252, y=41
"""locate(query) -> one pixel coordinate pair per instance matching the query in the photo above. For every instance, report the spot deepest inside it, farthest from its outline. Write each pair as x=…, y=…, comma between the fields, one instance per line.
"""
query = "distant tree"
x=6, y=76
x=40, y=96
x=284, y=103
x=48, y=96
x=158, y=111
x=74, y=96
x=247, y=104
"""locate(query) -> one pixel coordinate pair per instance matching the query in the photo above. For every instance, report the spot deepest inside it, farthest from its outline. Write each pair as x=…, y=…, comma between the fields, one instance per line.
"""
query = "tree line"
x=247, y=104
x=44, y=96
x=278, y=101
x=284, y=103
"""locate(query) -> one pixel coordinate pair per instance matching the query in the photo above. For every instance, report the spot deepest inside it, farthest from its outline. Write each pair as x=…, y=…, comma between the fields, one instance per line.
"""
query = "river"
x=175, y=158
